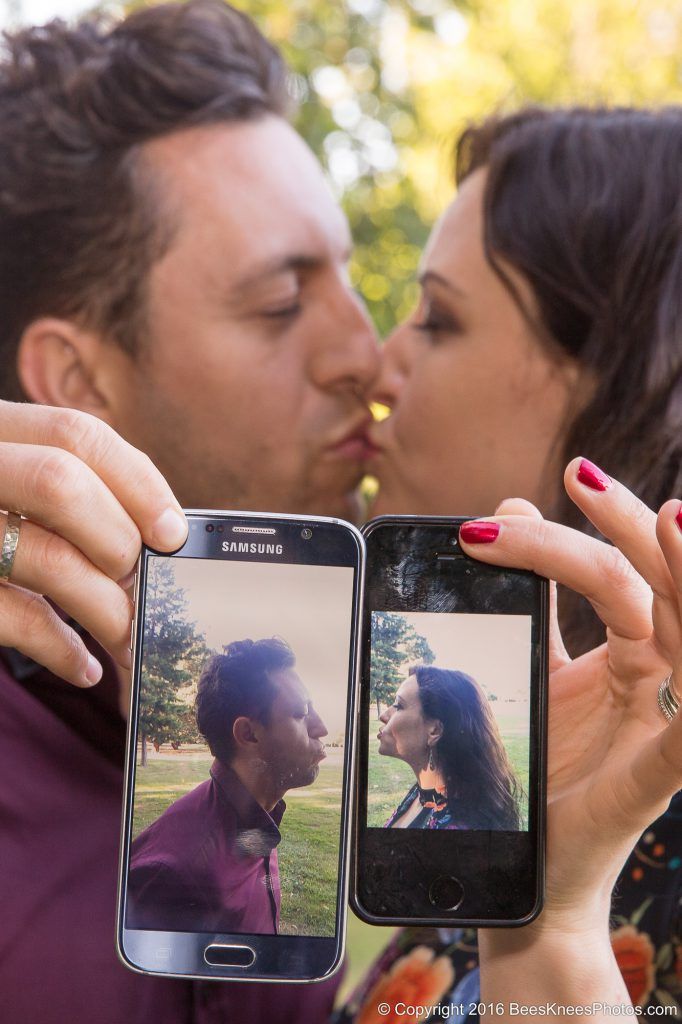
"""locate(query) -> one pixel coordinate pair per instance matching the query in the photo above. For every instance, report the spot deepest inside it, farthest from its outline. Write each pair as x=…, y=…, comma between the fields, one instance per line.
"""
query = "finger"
x=656, y=773
x=557, y=653
x=669, y=537
x=30, y=625
x=128, y=473
x=47, y=564
x=518, y=507
x=619, y=515
x=668, y=614
x=54, y=488
x=124, y=689
x=596, y=570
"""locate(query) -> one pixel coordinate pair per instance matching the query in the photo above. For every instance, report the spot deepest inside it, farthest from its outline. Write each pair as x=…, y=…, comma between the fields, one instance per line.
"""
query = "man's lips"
x=356, y=444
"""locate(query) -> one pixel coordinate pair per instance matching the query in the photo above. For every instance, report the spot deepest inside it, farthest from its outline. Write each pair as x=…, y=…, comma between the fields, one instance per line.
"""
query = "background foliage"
x=385, y=87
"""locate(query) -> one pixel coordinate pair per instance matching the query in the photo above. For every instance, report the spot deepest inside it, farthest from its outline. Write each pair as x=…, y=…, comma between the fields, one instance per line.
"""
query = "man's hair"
x=238, y=684
x=80, y=219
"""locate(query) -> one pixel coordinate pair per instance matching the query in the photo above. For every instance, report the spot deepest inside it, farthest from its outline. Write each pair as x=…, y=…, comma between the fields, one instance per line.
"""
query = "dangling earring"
x=432, y=763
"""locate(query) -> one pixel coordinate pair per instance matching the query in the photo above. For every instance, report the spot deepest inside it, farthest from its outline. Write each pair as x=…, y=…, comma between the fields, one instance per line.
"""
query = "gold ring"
x=9, y=545
x=667, y=698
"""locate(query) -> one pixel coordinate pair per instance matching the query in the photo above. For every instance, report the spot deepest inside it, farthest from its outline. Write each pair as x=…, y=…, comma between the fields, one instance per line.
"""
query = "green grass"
x=308, y=852
x=390, y=779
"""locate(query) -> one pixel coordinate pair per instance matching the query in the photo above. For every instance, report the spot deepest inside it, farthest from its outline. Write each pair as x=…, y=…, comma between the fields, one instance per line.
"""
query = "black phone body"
x=429, y=851
x=240, y=750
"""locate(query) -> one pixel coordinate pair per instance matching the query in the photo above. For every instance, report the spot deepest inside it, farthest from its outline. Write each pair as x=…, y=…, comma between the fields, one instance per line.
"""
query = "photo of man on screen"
x=209, y=862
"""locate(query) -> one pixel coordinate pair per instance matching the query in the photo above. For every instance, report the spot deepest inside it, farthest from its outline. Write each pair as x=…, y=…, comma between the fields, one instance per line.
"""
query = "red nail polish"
x=678, y=517
x=479, y=533
x=592, y=476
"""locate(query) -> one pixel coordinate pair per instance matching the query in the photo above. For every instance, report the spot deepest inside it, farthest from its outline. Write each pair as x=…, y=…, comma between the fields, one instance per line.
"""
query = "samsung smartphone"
x=240, y=744
x=449, y=822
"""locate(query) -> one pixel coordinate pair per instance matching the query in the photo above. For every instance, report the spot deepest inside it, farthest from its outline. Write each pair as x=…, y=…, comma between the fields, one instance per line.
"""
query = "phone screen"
x=449, y=720
x=242, y=732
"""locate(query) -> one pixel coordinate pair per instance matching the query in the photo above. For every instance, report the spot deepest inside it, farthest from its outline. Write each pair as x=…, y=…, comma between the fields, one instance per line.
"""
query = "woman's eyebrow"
x=432, y=277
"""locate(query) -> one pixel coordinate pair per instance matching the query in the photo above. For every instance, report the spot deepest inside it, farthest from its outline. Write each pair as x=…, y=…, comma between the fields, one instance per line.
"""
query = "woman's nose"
x=393, y=369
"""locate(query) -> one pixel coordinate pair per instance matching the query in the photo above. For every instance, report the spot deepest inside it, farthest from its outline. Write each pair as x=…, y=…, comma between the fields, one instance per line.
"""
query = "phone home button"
x=218, y=955
x=446, y=892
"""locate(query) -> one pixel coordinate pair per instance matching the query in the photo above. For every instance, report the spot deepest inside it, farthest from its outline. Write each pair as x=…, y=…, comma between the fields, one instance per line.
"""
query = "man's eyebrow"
x=282, y=265
x=432, y=277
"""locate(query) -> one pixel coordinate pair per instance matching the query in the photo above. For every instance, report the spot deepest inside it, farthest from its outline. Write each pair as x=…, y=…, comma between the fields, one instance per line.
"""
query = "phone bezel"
x=538, y=723
x=295, y=959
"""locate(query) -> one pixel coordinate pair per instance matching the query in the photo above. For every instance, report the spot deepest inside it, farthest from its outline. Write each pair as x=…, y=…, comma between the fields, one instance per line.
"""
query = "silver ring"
x=667, y=699
x=9, y=545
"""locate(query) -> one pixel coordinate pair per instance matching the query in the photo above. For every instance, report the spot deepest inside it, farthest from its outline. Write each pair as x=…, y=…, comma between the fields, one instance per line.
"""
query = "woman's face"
x=477, y=403
x=405, y=733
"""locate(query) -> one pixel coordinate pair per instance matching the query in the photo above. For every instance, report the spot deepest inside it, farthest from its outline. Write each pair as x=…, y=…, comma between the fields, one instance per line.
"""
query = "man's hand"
x=89, y=499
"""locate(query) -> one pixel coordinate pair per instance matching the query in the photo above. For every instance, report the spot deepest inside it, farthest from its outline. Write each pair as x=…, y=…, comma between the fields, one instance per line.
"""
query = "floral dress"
x=439, y=967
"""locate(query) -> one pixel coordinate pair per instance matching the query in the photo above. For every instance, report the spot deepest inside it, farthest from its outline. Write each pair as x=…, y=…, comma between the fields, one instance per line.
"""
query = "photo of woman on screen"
x=441, y=725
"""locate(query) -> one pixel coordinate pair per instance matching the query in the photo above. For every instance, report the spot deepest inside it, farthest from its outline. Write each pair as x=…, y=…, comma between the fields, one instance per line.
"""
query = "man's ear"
x=243, y=732
x=57, y=365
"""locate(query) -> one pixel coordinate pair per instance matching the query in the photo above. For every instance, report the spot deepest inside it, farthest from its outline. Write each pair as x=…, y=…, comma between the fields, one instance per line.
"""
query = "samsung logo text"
x=245, y=547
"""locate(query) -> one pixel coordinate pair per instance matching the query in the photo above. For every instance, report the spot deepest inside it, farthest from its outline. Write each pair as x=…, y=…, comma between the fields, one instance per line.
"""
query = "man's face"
x=291, y=741
x=250, y=389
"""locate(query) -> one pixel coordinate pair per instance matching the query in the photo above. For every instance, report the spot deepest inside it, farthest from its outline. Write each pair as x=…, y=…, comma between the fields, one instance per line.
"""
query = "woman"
x=442, y=726
x=550, y=324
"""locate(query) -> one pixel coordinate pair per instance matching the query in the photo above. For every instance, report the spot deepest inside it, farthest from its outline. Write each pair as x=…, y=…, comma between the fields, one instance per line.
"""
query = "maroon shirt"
x=61, y=783
x=208, y=863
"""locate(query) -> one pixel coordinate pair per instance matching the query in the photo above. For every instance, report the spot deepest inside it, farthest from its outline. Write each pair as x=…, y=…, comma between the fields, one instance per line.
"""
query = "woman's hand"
x=614, y=759
x=88, y=498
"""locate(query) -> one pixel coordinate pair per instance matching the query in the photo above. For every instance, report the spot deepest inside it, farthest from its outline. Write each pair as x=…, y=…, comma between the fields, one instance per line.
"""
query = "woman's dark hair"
x=587, y=205
x=235, y=684
x=82, y=219
x=478, y=776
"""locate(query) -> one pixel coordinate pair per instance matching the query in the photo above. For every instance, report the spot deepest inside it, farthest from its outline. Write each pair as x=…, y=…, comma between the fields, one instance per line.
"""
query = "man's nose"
x=316, y=727
x=347, y=356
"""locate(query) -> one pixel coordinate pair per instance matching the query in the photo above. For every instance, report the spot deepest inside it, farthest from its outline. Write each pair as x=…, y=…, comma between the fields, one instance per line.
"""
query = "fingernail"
x=479, y=533
x=170, y=530
x=93, y=672
x=592, y=476
x=678, y=517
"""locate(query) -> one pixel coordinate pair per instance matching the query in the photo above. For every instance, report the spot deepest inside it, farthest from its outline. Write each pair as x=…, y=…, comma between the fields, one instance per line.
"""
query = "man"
x=172, y=265
x=209, y=863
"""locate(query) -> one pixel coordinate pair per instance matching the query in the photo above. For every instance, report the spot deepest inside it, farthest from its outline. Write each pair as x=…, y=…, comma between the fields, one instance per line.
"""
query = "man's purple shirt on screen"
x=208, y=863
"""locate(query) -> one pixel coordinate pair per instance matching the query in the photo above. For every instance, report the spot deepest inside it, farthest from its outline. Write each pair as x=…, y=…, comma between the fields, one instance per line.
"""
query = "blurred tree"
x=173, y=650
x=394, y=643
x=385, y=87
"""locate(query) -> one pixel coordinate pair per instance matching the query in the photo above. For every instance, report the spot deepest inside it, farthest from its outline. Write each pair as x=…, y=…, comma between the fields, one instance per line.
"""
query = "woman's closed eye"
x=434, y=322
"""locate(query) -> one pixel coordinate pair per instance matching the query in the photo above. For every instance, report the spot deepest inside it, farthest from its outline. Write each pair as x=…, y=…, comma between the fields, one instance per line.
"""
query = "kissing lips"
x=355, y=445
